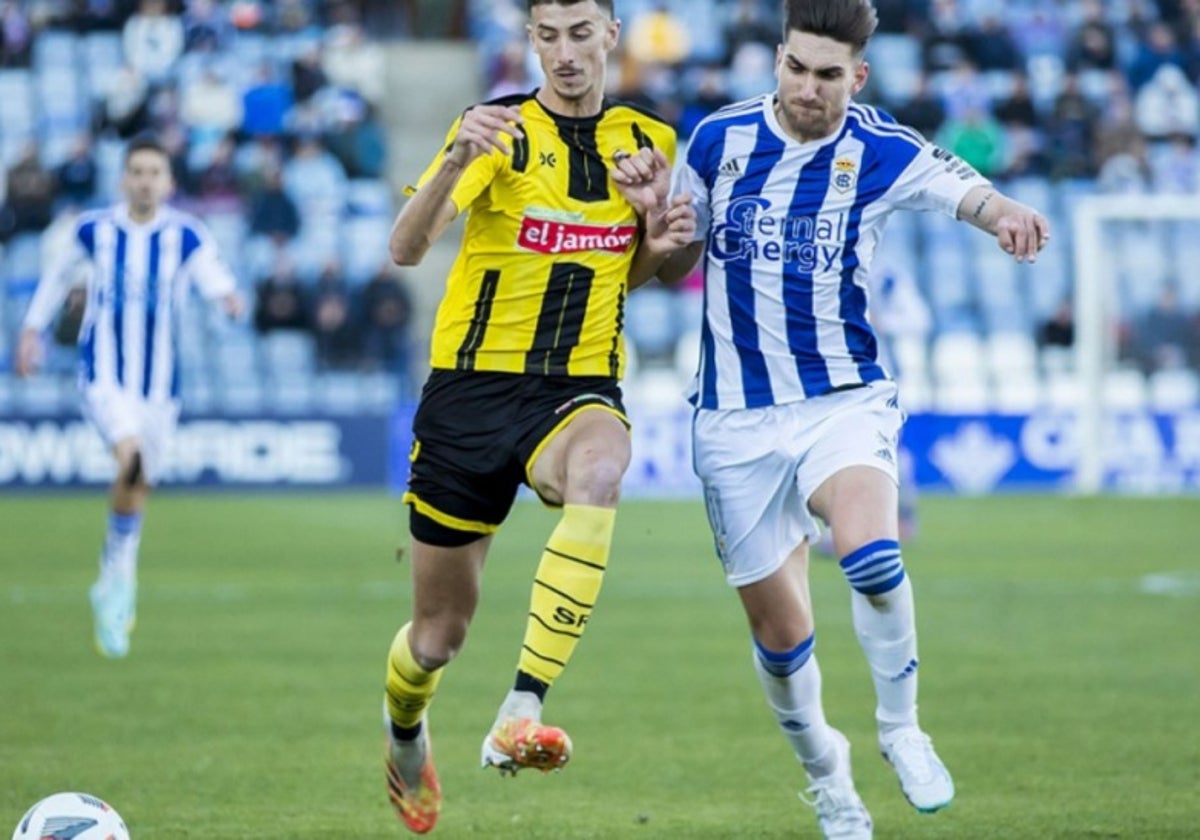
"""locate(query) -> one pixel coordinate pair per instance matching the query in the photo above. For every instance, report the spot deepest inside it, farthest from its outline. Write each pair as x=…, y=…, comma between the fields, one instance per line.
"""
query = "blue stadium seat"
x=901, y=55
x=288, y=355
x=364, y=242
x=339, y=393
x=55, y=48
x=102, y=55
x=17, y=115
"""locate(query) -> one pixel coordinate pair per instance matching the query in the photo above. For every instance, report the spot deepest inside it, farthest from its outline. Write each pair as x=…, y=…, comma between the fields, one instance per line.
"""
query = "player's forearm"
x=46, y=301
x=669, y=268
x=984, y=206
x=425, y=216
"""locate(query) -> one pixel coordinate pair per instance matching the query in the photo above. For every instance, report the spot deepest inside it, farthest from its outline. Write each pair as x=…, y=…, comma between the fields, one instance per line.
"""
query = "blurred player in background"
x=795, y=417
x=566, y=201
x=139, y=258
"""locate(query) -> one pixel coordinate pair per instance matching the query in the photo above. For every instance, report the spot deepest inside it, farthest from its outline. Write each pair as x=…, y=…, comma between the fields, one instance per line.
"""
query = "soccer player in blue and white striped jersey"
x=140, y=257
x=796, y=418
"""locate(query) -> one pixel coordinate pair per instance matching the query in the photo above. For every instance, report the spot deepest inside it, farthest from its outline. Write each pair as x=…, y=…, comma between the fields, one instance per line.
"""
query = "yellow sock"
x=565, y=589
x=410, y=687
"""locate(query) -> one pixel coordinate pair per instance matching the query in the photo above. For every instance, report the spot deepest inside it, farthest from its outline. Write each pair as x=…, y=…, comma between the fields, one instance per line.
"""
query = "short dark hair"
x=607, y=5
x=145, y=143
x=845, y=21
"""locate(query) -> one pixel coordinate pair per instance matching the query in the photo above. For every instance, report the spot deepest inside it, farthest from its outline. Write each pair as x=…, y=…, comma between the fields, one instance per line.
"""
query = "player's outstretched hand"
x=1023, y=233
x=672, y=229
x=644, y=179
x=234, y=305
x=482, y=129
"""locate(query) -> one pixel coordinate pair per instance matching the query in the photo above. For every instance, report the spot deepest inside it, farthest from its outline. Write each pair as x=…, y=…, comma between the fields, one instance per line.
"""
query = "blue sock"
x=875, y=568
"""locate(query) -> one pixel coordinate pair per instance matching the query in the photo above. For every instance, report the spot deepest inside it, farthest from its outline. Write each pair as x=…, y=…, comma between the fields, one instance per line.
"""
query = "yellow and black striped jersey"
x=540, y=280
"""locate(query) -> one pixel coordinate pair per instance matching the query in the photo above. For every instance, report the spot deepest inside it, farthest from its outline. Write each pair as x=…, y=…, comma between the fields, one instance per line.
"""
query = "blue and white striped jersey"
x=138, y=276
x=789, y=230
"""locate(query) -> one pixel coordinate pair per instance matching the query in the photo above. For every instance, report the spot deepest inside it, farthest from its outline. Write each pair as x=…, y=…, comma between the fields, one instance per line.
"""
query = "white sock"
x=520, y=704
x=795, y=700
x=121, y=545
x=888, y=635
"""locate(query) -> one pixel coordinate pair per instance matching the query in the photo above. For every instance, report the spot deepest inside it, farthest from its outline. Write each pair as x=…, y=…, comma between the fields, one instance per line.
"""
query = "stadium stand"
x=1081, y=97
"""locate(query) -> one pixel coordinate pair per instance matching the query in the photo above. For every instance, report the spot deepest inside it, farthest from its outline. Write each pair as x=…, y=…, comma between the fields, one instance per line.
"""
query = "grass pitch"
x=1060, y=679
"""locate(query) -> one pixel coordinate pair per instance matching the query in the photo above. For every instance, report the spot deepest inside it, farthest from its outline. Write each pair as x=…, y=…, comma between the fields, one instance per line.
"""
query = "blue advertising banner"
x=969, y=454
x=1142, y=452
x=314, y=451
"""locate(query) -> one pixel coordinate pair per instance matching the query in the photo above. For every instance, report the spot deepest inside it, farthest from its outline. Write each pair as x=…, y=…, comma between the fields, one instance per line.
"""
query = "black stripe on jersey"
x=614, y=357
x=588, y=175
x=479, y=321
x=643, y=140
x=561, y=320
x=520, y=153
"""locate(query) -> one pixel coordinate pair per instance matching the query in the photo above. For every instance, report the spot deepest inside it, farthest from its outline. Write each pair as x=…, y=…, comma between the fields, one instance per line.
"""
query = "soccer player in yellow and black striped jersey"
x=566, y=200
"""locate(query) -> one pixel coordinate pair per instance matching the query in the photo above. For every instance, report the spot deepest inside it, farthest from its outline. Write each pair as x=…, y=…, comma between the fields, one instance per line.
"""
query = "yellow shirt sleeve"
x=475, y=178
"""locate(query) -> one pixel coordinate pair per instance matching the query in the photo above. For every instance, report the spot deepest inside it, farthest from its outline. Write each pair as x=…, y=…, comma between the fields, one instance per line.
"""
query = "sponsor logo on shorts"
x=583, y=399
x=887, y=452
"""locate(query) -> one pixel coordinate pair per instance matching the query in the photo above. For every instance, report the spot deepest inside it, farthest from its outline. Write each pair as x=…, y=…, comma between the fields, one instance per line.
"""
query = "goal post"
x=1095, y=293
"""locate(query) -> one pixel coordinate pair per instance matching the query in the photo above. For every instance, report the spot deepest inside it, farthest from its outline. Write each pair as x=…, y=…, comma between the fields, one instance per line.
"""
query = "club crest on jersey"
x=559, y=235
x=844, y=175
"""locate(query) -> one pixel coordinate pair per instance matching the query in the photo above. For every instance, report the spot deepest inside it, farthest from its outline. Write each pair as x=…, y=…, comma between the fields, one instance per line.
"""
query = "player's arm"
x=668, y=269
x=51, y=292
x=432, y=207
x=1019, y=230
x=213, y=278
x=668, y=224
x=667, y=249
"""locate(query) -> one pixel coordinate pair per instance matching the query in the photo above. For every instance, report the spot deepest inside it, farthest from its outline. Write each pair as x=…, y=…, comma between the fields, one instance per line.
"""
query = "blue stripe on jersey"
x=704, y=150
x=798, y=283
x=708, y=353
x=739, y=273
x=882, y=164
x=191, y=241
x=151, y=311
x=87, y=353
x=884, y=123
x=119, y=303
x=87, y=237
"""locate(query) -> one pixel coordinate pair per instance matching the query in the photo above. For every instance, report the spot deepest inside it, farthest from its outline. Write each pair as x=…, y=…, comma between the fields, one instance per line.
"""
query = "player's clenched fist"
x=1023, y=233
x=482, y=129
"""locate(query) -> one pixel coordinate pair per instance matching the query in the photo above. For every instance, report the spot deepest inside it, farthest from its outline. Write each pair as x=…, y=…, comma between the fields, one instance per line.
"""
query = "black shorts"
x=475, y=436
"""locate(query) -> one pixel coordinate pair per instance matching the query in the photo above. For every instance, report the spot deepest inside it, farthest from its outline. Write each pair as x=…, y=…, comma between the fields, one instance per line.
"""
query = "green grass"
x=1062, y=695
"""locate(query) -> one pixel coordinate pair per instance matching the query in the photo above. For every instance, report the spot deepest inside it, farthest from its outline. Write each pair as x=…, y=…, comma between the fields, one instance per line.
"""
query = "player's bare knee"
x=437, y=650
x=596, y=480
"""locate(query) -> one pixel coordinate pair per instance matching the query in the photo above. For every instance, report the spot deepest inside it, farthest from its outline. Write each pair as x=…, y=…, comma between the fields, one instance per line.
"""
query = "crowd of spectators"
x=271, y=109
x=270, y=113
x=1069, y=96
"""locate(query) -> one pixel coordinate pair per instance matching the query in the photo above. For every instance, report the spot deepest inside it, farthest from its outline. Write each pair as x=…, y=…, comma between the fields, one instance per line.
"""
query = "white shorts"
x=760, y=466
x=119, y=415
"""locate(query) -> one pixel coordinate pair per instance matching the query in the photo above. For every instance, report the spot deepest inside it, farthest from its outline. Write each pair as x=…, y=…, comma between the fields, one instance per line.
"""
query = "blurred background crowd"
x=275, y=115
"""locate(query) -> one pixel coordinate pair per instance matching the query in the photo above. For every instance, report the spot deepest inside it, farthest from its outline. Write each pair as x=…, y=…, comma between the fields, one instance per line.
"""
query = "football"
x=71, y=816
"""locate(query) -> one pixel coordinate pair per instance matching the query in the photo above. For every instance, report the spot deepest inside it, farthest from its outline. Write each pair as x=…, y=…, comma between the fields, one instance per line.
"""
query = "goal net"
x=1137, y=342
